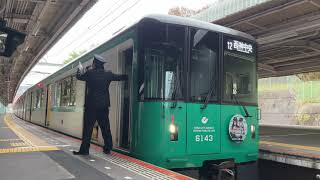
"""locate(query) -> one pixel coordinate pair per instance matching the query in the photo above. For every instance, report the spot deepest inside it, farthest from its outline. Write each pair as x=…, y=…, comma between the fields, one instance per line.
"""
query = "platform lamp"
x=10, y=39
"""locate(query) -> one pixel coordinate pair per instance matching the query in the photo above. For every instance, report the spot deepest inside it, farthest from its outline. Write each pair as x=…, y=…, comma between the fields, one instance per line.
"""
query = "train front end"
x=198, y=100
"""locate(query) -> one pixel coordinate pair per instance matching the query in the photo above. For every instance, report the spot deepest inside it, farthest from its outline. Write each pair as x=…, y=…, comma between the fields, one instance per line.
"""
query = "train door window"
x=161, y=61
x=204, y=65
x=73, y=91
x=35, y=100
x=49, y=104
x=38, y=98
x=125, y=121
x=68, y=91
x=65, y=92
x=42, y=98
x=33, y=104
x=57, y=94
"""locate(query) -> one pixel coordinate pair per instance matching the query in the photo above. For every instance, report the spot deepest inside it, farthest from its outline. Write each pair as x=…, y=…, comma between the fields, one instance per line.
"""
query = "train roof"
x=184, y=21
x=198, y=24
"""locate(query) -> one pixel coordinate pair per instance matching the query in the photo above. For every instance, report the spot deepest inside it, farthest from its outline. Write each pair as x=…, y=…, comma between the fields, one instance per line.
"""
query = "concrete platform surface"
x=290, y=145
x=31, y=152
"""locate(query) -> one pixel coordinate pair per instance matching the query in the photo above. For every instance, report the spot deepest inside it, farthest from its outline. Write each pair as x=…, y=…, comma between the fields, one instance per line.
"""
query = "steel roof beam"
x=290, y=32
x=312, y=64
x=291, y=58
x=284, y=41
x=19, y=18
x=315, y=3
x=267, y=12
x=266, y=67
x=256, y=26
x=289, y=72
x=295, y=62
x=288, y=23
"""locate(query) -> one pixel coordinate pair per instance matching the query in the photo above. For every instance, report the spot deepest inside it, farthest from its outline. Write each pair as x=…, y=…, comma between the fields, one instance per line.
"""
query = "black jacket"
x=97, y=82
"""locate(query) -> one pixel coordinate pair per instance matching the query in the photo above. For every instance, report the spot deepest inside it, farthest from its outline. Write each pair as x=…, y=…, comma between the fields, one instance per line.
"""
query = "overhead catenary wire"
x=107, y=15
x=123, y=12
x=95, y=24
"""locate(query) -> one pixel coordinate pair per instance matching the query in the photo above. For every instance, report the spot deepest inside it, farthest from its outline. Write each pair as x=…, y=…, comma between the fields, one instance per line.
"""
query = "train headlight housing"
x=253, y=131
x=173, y=132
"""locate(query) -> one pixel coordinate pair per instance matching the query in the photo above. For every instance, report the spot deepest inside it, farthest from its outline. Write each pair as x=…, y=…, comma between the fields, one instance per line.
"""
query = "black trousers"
x=90, y=117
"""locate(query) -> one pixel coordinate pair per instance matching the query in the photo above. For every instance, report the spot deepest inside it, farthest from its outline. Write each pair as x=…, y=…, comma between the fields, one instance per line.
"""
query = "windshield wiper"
x=174, y=93
x=209, y=95
x=244, y=107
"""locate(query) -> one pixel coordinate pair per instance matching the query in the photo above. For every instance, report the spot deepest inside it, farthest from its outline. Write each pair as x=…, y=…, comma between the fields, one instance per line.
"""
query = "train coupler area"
x=224, y=170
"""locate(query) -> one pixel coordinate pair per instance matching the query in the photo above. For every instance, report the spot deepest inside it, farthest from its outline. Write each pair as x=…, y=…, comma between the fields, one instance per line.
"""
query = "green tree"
x=73, y=55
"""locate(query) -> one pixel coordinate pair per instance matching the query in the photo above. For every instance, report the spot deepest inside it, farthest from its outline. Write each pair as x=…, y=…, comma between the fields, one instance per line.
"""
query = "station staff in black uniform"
x=97, y=104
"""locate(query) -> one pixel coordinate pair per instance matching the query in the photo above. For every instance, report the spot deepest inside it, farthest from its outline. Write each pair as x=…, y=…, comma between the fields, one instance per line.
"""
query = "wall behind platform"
x=289, y=101
x=2, y=109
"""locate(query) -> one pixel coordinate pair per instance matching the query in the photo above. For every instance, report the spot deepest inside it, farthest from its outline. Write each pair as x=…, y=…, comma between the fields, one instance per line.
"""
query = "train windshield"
x=240, y=76
x=203, y=65
x=162, y=52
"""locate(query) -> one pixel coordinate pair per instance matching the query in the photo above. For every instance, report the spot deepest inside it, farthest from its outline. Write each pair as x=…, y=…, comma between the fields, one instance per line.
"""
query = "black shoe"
x=107, y=151
x=80, y=153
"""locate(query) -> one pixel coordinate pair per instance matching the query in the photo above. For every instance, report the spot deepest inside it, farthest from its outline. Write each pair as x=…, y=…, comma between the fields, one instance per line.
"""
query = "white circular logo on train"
x=204, y=120
x=238, y=128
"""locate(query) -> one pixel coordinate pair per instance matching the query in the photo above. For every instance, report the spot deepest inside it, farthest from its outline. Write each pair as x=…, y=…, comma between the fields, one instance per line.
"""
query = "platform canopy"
x=44, y=22
x=288, y=31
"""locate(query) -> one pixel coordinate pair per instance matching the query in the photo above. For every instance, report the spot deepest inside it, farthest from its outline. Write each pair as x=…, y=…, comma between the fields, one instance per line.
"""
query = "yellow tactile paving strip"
x=31, y=143
x=21, y=144
x=26, y=149
x=310, y=148
x=7, y=140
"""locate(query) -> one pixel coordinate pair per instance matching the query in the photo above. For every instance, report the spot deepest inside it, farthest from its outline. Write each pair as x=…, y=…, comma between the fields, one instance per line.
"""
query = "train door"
x=31, y=106
x=23, y=108
x=48, y=105
x=125, y=67
x=26, y=107
x=203, y=112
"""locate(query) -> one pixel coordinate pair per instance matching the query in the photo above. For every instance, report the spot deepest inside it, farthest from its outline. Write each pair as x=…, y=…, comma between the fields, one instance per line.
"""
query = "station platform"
x=31, y=152
x=294, y=145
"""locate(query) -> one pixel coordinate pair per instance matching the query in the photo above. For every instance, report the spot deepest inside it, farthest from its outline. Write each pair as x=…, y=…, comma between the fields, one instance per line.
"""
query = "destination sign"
x=240, y=46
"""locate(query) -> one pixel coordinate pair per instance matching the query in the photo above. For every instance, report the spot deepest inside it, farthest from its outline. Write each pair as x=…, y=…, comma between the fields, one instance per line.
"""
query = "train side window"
x=38, y=98
x=53, y=94
x=34, y=102
x=68, y=92
x=65, y=91
x=57, y=92
x=73, y=91
x=161, y=61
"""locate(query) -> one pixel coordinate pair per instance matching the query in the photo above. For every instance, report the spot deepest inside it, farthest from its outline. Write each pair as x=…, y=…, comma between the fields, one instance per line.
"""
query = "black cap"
x=98, y=59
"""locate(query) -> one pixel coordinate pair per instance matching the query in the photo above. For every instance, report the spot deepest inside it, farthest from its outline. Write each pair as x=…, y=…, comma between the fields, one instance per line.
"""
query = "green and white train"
x=190, y=101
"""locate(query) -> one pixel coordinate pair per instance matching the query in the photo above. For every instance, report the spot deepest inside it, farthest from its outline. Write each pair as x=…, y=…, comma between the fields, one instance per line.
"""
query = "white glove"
x=80, y=68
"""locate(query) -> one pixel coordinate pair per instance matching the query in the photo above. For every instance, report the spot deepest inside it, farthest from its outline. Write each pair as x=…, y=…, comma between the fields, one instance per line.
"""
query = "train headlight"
x=173, y=132
x=172, y=128
x=253, y=131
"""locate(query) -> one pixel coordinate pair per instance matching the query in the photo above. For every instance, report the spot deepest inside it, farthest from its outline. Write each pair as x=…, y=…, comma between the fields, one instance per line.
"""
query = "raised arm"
x=119, y=77
x=82, y=77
